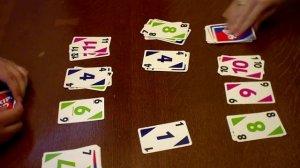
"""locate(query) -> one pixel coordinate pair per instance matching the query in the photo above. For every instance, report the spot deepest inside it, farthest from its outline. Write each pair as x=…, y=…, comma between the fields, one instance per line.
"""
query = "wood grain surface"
x=36, y=35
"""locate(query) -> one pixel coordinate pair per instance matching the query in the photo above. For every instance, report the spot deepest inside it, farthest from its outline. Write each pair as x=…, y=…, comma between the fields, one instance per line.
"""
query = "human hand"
x=15, y=77
x=10, y=122
x=243, y=14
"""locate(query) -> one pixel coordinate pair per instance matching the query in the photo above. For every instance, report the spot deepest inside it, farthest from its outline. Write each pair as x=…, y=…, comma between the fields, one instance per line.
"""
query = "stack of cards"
x=83, y=48
x=93, y=78
x=172, y=61
x=172, y=32
x=7, y=100
x=249, y=93
x=247, y=127
x=250, y=66
x=218, y=33
x=84, y=110
x=86, y=157
x=164, y=137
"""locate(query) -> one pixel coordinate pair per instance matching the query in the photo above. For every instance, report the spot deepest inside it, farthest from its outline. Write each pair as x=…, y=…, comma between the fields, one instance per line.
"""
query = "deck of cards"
x=7, y=100
x=247, y=127
x=172, y=32
x=93, y=78
x=85, y=157
x=170, y=61
x=84, y=110
x=83, y=48
x=218, y=33
x=247, y=66
x=164, y=137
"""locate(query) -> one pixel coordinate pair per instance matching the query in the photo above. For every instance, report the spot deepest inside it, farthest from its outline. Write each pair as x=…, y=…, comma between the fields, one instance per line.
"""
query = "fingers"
x=8, y=117
x=24, y=79
x=10, y=122
x=249, y=20
x=231, y=14
x=15, y=77
x=237, y=13
x=242, y=14
x=2, y=108
x=8, y=132
x=246, y=10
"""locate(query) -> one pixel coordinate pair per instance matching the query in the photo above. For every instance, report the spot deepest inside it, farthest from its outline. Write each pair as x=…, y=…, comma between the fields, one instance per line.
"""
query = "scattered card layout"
x=171, y=61
x=86, y=157
x=218, y=33
x=164, y=137
x=93, y=78
x=247, y=127
x=248, y=66
x=83, y=48
x=84, y=110
x=249, y=93
x=172, y=32
x=7, y=100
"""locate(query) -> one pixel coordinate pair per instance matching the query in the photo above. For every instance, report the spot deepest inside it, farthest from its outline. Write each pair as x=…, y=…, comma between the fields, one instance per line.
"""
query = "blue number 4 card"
x=171, y=61
x=164, y=137
x=93, y=78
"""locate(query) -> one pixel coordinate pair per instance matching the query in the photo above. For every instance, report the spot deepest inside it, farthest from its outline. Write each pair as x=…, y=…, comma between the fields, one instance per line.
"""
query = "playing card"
x=156, y=60
x=95, y=87
x=219, y=33
x=251, y=66
x=171, y=32
x=83, y=48
x=249, y=93
x=164, y=137
x=83, y=56
x=88, y=77
x=86, y=157
x=83, y=110
x=174, y=41
x=89, y=44
x=166, y=30
x=247, y=127
x=7, y=100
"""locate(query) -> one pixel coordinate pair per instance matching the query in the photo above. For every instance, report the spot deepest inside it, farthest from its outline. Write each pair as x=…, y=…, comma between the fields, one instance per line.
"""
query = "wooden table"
x=36, y=35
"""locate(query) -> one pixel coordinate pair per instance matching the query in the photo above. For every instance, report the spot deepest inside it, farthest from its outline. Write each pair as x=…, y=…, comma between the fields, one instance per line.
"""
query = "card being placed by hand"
x=163, y=137
x=249, y=92
x=83, y=110
x=247, y=127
